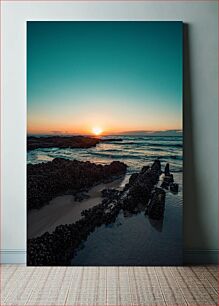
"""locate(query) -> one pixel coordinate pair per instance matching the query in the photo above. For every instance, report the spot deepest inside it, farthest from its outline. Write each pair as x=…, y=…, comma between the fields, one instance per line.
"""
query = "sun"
x=97, y=131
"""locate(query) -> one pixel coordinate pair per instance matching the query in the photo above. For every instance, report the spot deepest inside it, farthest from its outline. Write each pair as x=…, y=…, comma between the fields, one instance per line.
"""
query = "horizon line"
x=64, y=133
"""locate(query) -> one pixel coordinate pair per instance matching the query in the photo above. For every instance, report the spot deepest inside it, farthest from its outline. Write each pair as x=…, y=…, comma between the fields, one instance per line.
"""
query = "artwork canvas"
x=104, y=143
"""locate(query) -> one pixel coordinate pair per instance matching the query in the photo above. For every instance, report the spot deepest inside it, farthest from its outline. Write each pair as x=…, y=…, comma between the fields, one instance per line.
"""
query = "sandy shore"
x=65, y=210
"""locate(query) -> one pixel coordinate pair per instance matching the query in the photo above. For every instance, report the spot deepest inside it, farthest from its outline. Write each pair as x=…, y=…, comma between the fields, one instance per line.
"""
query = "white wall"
x=200, y=117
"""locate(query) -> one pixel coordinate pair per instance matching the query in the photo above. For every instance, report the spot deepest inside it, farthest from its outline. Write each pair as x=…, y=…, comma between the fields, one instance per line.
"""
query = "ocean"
x=135, y=239
x=135, y=151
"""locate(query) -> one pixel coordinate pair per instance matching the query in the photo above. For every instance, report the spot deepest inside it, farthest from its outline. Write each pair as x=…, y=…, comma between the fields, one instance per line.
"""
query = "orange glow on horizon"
x=99, y=123
x=93, y=132
x=97, y=131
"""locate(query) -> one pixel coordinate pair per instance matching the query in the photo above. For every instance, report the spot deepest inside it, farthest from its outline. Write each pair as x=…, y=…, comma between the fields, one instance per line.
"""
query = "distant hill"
x=152, y=133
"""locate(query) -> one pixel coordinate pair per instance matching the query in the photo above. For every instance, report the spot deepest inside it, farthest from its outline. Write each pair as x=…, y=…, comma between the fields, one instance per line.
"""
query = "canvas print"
x=104, y=143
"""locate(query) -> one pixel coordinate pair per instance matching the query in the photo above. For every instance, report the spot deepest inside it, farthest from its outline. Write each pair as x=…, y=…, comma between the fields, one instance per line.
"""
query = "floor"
x=124, y=286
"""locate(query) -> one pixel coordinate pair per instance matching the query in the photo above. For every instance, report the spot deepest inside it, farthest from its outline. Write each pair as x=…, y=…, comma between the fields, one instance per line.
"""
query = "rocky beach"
x=47, y=180
x=67, y=208
x=87, y=200
x=139, y=194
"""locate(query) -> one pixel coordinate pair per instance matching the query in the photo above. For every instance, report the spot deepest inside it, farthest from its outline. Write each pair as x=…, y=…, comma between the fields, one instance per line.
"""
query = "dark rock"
x=61, y=142
x=110, y=193
x=174, y=187
x=133, y=178
x=156, y=206
x=141, y=186
x=144, y=169
x=83, y=142
x=168, y=178
x=156, y=167
x=126, y=187
x=167, y=169
x=47, y=180
x=165, y=185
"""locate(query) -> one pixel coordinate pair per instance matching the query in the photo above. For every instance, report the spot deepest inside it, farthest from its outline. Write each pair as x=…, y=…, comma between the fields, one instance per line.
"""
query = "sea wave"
x=117, y=156
x=144, y=143
x=134, y=151
x=177, y=145
x=136, y=156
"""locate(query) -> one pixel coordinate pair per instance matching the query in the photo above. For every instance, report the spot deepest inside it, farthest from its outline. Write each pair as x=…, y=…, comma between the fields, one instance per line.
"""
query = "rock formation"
x=47, y=180
x=83, y=142
x=156, y=206
x=168, y=180
x=59, y=247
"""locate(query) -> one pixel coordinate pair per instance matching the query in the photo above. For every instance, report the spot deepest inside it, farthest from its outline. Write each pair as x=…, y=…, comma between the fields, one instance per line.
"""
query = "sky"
x=103, y=76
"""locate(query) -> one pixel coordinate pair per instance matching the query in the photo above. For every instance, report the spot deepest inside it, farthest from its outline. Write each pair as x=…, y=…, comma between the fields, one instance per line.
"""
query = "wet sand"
x=65, y=210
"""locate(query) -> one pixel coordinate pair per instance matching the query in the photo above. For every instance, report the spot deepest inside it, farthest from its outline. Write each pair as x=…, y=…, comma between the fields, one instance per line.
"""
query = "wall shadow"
x=193, y=230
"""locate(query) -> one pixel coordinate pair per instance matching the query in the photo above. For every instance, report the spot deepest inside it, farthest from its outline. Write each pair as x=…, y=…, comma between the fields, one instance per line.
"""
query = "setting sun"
x=97, y=131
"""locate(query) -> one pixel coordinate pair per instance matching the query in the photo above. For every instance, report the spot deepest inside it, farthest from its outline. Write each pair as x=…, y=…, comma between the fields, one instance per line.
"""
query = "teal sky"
x=119, y=76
